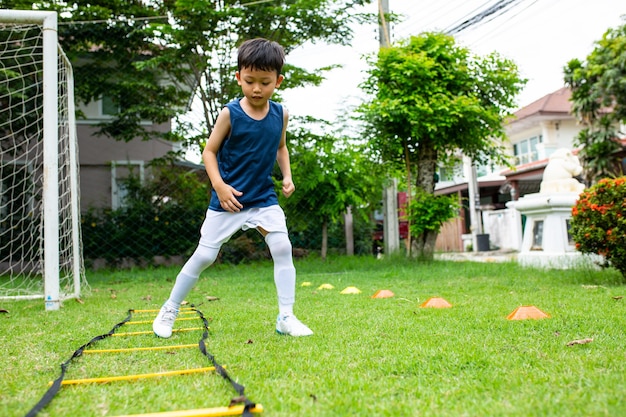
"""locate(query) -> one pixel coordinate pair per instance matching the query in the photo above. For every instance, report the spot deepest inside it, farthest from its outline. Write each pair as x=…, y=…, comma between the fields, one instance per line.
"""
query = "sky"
x=540, y=36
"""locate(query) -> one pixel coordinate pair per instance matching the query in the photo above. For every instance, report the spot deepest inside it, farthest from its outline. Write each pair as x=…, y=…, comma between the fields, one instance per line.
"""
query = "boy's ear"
x=238, y=77
x=279, y=80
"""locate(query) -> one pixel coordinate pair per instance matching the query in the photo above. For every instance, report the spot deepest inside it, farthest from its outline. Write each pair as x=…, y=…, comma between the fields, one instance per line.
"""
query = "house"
x=535, y=132
x=106, y=162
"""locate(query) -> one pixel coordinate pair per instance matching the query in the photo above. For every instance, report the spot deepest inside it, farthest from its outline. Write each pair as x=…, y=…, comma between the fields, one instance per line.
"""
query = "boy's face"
x=257, y=85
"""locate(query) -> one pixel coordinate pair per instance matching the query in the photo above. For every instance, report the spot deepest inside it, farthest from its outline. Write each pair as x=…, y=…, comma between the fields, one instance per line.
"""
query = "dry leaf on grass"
x=618, y=297
x=2, y=310
x=580, y=342
x=212, y=298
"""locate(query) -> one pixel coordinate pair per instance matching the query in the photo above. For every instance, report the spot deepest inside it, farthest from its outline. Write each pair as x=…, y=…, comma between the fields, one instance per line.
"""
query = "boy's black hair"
x=261, y=54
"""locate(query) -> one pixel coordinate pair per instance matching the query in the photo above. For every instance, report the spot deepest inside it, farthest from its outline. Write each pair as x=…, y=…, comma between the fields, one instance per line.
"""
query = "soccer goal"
x=40, y=240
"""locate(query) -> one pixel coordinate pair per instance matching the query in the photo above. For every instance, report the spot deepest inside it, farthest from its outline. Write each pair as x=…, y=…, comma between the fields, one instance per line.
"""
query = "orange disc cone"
x=527, y=312
x=436, y=302
x=383, y=294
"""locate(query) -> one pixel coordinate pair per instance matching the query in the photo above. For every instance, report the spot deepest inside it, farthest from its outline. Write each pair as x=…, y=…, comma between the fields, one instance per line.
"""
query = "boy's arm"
x=282, y=157
x=225, y=193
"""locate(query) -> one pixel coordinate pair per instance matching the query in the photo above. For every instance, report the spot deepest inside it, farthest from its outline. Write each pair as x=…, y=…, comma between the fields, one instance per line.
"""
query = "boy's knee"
x=202, y=258
x=279, y=244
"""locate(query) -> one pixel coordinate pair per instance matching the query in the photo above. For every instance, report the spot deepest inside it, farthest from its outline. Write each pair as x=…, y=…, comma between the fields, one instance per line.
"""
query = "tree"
x=331, y=173
x=208, y=33
x=108, y=43
x=599, y=102
x=431, y=99
x=150, y=57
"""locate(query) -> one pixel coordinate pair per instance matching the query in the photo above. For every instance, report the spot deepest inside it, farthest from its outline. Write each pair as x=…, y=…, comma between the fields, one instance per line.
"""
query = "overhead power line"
x=505, y=24
x=472, y=13
x=500, y=7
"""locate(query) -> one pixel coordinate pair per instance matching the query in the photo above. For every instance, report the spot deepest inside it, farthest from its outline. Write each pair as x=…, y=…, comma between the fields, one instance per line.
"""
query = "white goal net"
x=40, y=241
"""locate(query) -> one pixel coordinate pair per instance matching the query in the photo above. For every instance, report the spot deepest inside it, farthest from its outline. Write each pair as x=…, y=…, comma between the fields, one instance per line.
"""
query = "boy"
x=248, y=137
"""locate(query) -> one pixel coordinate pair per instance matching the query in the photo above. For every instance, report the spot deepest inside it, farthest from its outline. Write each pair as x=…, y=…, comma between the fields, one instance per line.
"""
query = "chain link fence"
x=161, y=215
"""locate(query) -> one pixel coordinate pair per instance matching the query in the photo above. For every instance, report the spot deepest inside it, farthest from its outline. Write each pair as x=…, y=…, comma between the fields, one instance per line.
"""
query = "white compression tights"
x=284, y=271
x=204, y=256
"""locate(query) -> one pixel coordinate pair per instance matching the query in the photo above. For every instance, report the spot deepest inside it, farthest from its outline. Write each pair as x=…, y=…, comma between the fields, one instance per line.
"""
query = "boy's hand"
x=288, y=187
x=228, y=198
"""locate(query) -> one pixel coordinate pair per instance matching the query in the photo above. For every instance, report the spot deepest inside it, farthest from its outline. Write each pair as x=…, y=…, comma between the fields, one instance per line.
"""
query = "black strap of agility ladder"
x=56, y=385
x=240, y=389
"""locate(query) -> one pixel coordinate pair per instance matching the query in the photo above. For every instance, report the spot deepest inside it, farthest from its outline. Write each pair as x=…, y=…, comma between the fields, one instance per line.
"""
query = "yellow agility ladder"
x=239, y=406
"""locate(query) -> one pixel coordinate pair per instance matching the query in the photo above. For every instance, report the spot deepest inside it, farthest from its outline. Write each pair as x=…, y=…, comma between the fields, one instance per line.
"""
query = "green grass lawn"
x=368, y=357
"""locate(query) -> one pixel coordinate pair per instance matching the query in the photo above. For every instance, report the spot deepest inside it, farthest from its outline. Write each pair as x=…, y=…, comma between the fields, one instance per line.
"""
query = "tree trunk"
x=426, y=166
x=324, y=239
x=424, y=246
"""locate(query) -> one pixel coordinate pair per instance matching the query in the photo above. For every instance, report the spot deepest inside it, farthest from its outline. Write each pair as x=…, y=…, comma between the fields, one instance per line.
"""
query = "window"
x=109, y=106
x=446, y=174
x=121, y=171
x=482, y=170
x=451, y=172
x=526, y=150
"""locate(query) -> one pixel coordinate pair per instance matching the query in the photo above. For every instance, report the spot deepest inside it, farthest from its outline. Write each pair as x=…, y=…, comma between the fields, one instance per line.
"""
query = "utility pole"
x=473, y=191
x=391, y=235
x=384, y=37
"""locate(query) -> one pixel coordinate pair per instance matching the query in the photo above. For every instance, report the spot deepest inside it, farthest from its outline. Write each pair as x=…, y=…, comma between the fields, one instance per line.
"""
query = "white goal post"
x=40, y=239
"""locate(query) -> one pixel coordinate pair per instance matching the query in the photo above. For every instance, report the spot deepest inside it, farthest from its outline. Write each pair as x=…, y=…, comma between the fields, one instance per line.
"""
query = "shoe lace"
x=169, y=316
x=292, y=321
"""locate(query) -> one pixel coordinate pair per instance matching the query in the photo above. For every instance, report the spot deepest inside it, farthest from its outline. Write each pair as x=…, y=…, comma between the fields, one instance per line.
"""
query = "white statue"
x=558, y=177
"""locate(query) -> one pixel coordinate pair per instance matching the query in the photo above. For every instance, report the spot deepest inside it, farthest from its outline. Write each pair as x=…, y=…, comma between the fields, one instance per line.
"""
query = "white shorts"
x=219, y=226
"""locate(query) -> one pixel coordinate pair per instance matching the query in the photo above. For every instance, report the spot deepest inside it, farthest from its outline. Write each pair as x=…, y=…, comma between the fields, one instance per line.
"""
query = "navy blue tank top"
x=247, y=155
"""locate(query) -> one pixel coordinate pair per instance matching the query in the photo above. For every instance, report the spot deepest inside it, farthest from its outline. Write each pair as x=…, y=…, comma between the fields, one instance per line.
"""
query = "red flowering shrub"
x=598, y=222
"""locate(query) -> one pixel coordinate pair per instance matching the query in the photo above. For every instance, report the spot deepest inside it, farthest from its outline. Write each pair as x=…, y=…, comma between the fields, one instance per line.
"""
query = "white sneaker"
x=291, y=326
x=164, y=322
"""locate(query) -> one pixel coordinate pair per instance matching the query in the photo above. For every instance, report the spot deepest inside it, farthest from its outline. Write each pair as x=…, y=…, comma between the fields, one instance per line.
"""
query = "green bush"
x=598, y=224
x=428, y=212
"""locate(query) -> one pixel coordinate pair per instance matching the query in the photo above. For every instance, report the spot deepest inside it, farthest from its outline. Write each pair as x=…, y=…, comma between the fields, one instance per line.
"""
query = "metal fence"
x=160, y=220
